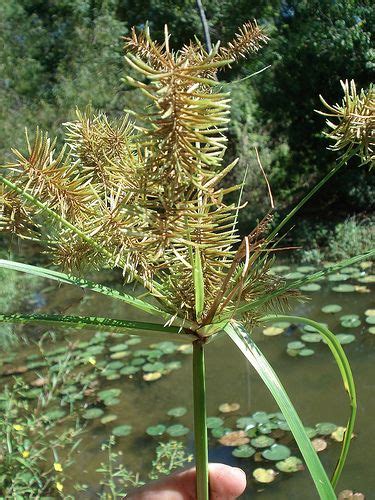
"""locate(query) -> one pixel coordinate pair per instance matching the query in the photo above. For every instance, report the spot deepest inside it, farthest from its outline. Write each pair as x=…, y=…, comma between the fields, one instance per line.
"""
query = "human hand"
x=226, y=483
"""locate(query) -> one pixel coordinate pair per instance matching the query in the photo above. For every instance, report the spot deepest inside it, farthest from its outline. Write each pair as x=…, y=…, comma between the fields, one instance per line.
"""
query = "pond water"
x=313, y=383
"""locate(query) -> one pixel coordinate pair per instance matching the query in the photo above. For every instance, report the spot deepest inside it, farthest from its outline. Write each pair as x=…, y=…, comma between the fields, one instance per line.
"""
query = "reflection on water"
x=313, y=383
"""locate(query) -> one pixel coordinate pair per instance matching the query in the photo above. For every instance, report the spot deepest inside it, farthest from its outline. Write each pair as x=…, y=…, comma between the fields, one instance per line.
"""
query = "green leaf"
x=252, y=353
x=106, y=324
x=338, y=352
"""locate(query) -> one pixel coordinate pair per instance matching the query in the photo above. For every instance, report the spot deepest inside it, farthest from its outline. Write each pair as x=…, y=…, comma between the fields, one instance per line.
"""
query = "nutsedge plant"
x=143, y=193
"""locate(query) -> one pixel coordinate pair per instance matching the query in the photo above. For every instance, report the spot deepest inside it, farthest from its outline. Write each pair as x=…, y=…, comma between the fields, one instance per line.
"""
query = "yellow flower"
x=18, y=427
x=25, y=453
x=59, y=486
x=92, y=360
x=58, y=467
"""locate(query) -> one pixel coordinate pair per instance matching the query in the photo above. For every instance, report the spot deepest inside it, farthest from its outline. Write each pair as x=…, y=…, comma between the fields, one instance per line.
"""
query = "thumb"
x=226, y=483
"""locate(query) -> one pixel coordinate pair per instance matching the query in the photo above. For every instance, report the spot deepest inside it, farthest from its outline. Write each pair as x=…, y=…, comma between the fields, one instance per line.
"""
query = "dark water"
x=313, y=383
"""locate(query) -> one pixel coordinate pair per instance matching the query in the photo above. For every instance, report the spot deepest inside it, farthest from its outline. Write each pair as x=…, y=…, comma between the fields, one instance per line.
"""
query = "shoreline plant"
x=144, y=194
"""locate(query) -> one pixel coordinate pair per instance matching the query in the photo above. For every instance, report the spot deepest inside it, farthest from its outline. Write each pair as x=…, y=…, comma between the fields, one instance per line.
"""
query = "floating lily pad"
x=344, y=288
x=213, y=422
x=219, y=432
x=109, y=394
x=118, y=347
x=264, y=475
x=122, y=430
x=331, y=308
x=153, y=367
x=166, y=347
x=245, y=423
x=229, y=407
x=177, y=430
x=345, y=338
x=306, y=269
x=296, y=345
x=350, y=321
x=319, y=444
x=113, y=376
x=370, y=312
x=311, y=432
x=312, y=329
x=108, y=418
x=310, y=287
x=115, y=365
x=311, y=337
x=260, y=417
x=262, y=441
x=283, y=425
x=173, y=365
x=282, y=324
x=291, y=464
x=325, y=428
x=137, y=361
x=133, y=341
x=156, y=430
x=54, y=414
x=92, y=413
x=338, y=434
x=179, y=411
x=372, y=330
x=271, y=331
x=338, y=277
x=370, y=320
x=235, y=438
x=280, y=269
x=276, y=452
x=243, y=451
x=120, y=354
x=151, y=376
x=306, y=352
x=367, y=279
x=267, y=427
x=129, y=370
x=111, y=401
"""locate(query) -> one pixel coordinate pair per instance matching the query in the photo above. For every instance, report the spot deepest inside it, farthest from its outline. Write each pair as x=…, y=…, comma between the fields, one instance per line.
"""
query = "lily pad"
x=344, y=288
x=296, y=345
x=325, y=428
x=372, y=330
x=262, y=441
x=108, y=418
x=243, y=451
x=310, y=287
x=179, y=411
x=331, y=308
x=306, y=352
x=282, y=324
x=345, y=338
x=319, y=444
x=92, y=413
x=137, y=361
x=122, y=430
x=166, y=347
x=311, y=337
x=338, y=434
x=350, y=321
x=151, y=376
x=177, y=430
x=370, y=320
x=311, y=432
x=133, y=341
x=291, y=464
x=118, y=347
x=280, y=269
x=156, y=430
x=245, y=423
x=264, y=475
x=370, y=312
x=272, y=331
x=109, y=394
x=338, y=277
x=219, y=432
x=153, y=367
x=120, y=354
x=229, y=407
x=276, y=452
x=129, y=370
x=306, y=269
x=367, y=279
x=260, y=417
x=213, y=422
x=235, y=438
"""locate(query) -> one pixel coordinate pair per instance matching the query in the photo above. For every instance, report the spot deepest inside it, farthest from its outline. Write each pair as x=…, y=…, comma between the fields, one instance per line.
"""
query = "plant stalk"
x=200, y=427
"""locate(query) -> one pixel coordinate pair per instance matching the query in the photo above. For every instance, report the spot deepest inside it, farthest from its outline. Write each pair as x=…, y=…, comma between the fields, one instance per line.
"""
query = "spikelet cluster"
x=144, y=193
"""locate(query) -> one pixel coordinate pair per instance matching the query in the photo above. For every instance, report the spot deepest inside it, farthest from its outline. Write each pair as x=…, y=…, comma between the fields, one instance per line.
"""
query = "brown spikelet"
x=249, y=39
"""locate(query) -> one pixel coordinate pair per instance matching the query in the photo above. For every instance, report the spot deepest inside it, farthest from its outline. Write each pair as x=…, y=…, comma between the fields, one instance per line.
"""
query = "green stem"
x=200, y=427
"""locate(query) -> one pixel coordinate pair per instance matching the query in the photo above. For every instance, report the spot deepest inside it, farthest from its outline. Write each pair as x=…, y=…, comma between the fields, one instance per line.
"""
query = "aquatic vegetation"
x=145, y=196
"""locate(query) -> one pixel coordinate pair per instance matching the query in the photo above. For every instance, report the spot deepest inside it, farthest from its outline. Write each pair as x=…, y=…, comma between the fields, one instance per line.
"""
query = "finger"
x=226, y=483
